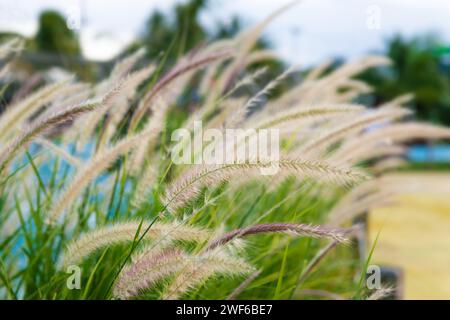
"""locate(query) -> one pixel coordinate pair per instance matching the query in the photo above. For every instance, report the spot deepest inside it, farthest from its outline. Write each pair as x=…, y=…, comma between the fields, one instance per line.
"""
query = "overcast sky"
x=310, y=32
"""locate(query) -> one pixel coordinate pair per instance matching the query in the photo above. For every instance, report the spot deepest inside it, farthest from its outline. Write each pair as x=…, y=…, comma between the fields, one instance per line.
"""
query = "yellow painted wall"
x=415, y=237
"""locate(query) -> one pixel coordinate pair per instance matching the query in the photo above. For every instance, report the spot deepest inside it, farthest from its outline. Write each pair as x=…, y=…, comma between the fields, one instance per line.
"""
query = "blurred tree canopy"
x=419, y=66
x=172, y=36
x=53, y=35
x=185, y=28
x=166, y=37
x=56, y=45
x=176, y=34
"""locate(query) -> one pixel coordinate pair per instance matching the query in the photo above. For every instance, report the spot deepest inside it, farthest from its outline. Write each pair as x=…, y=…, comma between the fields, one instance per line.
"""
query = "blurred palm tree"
x=419, y=66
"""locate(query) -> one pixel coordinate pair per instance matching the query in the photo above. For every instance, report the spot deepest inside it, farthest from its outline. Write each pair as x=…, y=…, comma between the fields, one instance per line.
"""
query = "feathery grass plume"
x=146, y=271
x=177, y=71
x=373, y=151
x=72, y=94
x=124, y=88
x=353, y=68
x=82, y=128
x=219, y=45
x=211, y=90
x=247, y=80
x=348, y=91
x=317, y=72
x=202, y=267
x=130, y=89
x=245, y=41
x=145, y=183
x=254, y=102
x=343, y=90
x=156, y=246
x=380, y=294
x=157, y=124
x=322, y=253
x=400, y=100
x=92, y=169
x=65, y=97
x=358, y=86
x=189, y=185
x=219, y=106
x=15, y=115
x=354, y=124
x=212, y=71
x=260, y=56
x=37, y=128
x=392, y=133
x=342, y=97
x=11, y=46
x=226, y=117
x=291, y=96
x=327, y=87
x=123, y=67
x=59, y=151
x=126, y=232
x=298, y=230
x=52, y=120
x=78, y=93
x=209, y=76
x=208, y=83
x=5, y=70
x=302, y=112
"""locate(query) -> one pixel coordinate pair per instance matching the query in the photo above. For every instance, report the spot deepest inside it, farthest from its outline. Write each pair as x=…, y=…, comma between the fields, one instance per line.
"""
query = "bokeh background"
x=88, y=36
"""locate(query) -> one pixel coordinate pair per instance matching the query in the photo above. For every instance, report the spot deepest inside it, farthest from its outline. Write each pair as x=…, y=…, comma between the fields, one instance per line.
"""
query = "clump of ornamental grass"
x=189, y=185
x=23, y=140
x=93, y=168
x=156, y=263
x=127, y=232
x=88, y=167
x=202, y=267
